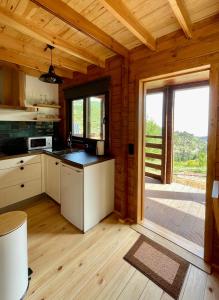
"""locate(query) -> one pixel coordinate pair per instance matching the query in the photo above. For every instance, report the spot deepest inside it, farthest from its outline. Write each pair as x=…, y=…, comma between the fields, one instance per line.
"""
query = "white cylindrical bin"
x=13, y=255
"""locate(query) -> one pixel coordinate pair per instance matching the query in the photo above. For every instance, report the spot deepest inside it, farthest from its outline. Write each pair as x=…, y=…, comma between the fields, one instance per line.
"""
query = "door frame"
x=140, y=87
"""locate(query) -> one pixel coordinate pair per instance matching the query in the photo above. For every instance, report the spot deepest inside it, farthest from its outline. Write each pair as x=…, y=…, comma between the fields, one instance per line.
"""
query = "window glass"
x=78, y=118
x=154, y=114
x=95, y=117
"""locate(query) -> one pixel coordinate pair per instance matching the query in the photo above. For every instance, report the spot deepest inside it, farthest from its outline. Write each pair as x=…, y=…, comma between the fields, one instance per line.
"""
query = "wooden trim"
x=139, y=192
x=215, y=196
x=153, y=166
x=176, y=74
x=154, y=136
x=182, y=16
x=164, y=140
x=153, y=155
x=71, y=17
x=124, y=15
x=169, y=143
x=155, y=176
x=212, y=134
x=155, y=146
x=41, y=34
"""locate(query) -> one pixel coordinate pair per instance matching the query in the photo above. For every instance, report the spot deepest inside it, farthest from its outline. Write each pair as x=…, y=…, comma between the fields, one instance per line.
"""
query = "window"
x=88, y=117
x=77, y=117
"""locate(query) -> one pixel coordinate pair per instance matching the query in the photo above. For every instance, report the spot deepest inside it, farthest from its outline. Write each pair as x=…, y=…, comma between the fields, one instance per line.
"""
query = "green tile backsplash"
x=9, y=130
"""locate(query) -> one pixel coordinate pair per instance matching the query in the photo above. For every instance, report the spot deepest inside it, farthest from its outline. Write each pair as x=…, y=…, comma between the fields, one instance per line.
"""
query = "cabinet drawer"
x=17, y=175
x=19, y=161
x=16, y=193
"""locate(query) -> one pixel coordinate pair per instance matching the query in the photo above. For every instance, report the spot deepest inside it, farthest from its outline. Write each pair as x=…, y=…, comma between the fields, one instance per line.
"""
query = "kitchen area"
x=35, y=158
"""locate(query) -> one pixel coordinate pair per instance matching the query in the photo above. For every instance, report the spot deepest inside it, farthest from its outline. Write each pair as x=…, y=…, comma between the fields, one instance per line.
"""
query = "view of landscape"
x=189, y=137
x=94, y=122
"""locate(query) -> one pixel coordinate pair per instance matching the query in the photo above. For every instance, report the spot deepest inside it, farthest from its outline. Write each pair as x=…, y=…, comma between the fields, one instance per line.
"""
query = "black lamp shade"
x=51, y=77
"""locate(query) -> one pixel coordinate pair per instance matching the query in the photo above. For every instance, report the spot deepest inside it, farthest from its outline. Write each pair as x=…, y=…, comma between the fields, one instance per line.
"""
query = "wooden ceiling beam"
x=124, y=15
x=71, y=17
x=31, y=62
x=29, y=28
x=182, y=16
x=27, y=49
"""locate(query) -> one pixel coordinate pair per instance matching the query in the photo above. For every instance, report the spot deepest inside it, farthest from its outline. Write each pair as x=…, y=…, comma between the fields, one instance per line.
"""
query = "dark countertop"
x=77, y=158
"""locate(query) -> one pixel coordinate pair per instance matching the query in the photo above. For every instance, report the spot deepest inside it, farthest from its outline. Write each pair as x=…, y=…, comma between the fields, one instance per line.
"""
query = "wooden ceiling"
x=88, y=32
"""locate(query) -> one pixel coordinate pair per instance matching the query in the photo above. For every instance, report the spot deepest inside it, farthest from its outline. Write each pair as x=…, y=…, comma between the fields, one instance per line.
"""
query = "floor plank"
x=70, y=265
x=134, y=287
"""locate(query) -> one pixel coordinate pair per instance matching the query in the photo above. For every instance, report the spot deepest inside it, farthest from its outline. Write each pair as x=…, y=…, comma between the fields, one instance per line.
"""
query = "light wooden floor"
x=177, y=211
x=70, y=265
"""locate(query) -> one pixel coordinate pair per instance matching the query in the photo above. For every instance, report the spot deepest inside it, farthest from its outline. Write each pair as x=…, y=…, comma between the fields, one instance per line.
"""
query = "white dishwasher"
x=72, y=189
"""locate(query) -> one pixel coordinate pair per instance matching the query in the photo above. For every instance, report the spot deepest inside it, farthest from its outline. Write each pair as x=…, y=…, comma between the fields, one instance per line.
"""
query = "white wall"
x=37, y=91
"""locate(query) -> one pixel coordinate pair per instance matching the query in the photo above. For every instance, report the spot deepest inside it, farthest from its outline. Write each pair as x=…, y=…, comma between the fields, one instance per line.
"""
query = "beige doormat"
x=162, y=266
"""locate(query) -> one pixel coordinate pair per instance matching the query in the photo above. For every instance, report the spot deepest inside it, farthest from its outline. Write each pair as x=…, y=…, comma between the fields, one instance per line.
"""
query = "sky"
x=190, y=110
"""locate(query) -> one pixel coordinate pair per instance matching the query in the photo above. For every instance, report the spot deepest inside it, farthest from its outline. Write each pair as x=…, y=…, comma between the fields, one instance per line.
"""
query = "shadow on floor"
x=176, y=195
x=176, y=221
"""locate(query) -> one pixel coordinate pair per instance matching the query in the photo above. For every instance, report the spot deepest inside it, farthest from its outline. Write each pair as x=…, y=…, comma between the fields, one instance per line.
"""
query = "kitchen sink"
x=66, y=151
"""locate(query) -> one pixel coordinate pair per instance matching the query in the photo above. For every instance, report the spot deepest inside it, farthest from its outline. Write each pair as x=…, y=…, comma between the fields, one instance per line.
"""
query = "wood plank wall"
x=116, y=68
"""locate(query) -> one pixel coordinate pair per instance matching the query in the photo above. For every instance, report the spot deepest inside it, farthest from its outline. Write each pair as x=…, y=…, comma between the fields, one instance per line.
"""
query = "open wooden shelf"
x=47, y=120
x=3, y=106
x=47, y=106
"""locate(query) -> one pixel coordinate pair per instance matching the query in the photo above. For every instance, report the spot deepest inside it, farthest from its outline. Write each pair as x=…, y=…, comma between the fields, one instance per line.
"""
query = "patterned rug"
x=162, y=266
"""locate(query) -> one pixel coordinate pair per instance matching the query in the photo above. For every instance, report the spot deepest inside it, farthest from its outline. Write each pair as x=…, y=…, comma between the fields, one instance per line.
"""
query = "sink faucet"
x=69, y=140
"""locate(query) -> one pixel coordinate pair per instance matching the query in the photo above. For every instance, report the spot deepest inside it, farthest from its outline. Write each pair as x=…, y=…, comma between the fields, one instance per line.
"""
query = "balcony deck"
x=176, y=212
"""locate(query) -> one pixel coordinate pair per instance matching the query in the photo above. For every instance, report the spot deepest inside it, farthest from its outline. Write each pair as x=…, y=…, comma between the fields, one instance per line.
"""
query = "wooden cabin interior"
x=93, y=201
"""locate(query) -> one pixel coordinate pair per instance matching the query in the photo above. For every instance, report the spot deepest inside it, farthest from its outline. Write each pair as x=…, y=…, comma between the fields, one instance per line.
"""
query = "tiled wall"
x=9, y=130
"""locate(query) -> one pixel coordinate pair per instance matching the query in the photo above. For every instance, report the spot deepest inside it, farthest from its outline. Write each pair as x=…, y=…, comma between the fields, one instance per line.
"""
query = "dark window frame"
x=85, y=139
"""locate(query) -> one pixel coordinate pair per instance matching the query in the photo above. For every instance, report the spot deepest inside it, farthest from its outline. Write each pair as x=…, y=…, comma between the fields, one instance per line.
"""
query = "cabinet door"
x=72, y=195
x=53, y=178
x=98, y=192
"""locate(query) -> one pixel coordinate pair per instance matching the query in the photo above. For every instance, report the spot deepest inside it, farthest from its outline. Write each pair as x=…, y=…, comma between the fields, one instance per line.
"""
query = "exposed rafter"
x=30, y=62
x=124, y=15
x=182, y=16
x=71, y=17
x=29, y=28
x=25, y=48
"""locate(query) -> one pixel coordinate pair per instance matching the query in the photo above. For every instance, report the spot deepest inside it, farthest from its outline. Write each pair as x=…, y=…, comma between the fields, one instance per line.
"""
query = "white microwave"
x=39, y=142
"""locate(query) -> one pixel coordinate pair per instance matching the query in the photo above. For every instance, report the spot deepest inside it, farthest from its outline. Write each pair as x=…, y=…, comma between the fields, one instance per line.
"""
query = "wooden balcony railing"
x=157, y=169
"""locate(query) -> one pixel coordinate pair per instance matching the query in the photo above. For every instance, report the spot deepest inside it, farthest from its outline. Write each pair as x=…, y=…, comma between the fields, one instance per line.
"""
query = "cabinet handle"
x=21, y=168
x=22, y=185
x=57, y=163
x=21, y=161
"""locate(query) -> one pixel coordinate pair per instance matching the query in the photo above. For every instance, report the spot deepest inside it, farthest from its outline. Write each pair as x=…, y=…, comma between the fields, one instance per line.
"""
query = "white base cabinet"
x=72, y=195
x=87, y=195
x=20, y=179
x=52, y=177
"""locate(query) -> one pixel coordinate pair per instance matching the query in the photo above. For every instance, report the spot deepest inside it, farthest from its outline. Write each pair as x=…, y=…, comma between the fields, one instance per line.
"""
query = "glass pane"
x=77, y=118
x=190, y=136
x=95, y=120
x=154, y=114
x=153, y=129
